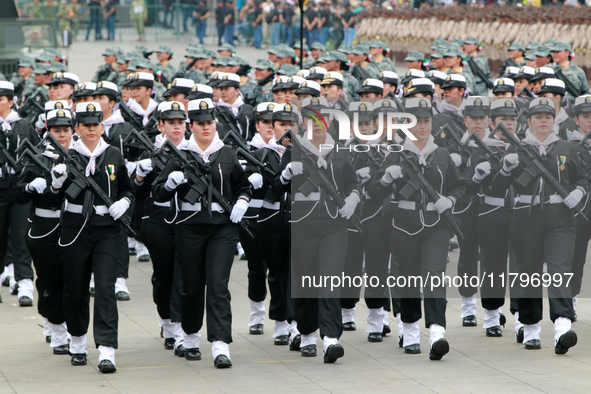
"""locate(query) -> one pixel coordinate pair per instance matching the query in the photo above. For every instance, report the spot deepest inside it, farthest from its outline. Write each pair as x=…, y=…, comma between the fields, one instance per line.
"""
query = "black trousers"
x=318, y=247
x=167, y=279
x=544, y=236
x=42, y=241
x=96, y=249
x=276, y=254
x=583, y=234
x=493, y=234
x=422, y=254
x=13, y=220
x=206, y=254
x=257, y=267
x=373, y=247
x=468, y=259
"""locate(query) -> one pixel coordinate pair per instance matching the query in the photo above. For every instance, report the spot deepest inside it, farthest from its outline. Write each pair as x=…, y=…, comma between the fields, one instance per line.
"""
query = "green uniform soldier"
x=195, y=73
x=51, y=9
x=362, y=68
x=34, y=38
x=337, y=61
x=107, y=72
x=57, y=67
x=479, y=68
x=24, y=76
x=166, y=69
x=64, y=15
x=75, y=18
x=453, y=58
x=35, y=10
x=516, y=57
x=264, y=73
x=562, y=63
x=379, y=52
x=139, y=15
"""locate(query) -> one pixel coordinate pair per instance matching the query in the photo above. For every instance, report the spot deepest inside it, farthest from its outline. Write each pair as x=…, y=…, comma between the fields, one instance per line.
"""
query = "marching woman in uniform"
x=543, y=225
x=90, y=237
x=319, y=239
x=42, y=239
x=160, y=229
x=205, y=235
x=420, y=237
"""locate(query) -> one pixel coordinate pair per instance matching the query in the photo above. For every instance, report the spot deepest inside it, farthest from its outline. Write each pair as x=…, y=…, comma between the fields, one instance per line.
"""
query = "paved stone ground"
x=475, y=364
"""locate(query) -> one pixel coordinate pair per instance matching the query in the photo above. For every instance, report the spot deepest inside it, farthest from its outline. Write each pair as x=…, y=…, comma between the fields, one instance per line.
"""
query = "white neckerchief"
x=447, y=107
x=161, y=139
x=234, y=107
x=215, y=145
x=429, y=148
x=6, y=123
x=541, y=145
x=258, y=141
x=306, y=143
x=49, y=152
x=145, y=113
x=273, y=145
x=576, y=136
x=560, y=117
x=115, y=118
x=84, y=151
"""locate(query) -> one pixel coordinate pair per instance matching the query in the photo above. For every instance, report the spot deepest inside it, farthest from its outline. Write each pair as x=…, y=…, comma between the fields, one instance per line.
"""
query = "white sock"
x=140, y=249
x=386, y=317
x=293, y=328
x=329, y=341
x=348, y=315
x=281, y=328
x=131, y=242
x=257, y=313
x=531, y=331
x=106, y=353
x=468, y=306
x=399, y=324
x=121, y=285
x=492, y=318
x=436, y=332
x=8, y=272
x=192, y=341
x=412, y=333
x=168, y=328
x=561, y=325
x=219, y=347
x=78, y=345
x=575, y=303
x=309, y=339
x=375, y=320
x=46, y=327
x=25, y=288
x=59, y=335
x=91, y=284
x=179, y=335
x=518, y=324
x=240, y=249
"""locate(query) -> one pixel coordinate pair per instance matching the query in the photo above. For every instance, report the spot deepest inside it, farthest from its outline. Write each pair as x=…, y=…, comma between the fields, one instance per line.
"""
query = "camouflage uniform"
x=35, y=10
x=480, y=88
x=167, y=71
x=249, y=91
x=309, y=63
x=384, y=65
x=65, y=14
x=350, y=84
x=105, y=73
x=51, y=12
x=577, y=76
x=196, y=75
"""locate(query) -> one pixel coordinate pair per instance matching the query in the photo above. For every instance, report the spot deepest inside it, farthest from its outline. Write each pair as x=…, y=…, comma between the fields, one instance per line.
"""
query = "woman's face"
x=173, y=129
x=63, y=135
x=541, y=123
x=509, y=121
x=203, y=131
x=422, y=130
x=477, y=124
x=90, y=133
x=280, y=127
x=5, y=104
x=126, y=93
x=584, y=122
x=63, y=91
x=104, y=101
x=265, y=128
x=279, y=96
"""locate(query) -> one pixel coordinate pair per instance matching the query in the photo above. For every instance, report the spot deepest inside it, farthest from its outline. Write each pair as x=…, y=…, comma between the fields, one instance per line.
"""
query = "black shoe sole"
x=520, y=335
x=440, y=348
x=333, y=354
x=566, y=341
x=295, y=344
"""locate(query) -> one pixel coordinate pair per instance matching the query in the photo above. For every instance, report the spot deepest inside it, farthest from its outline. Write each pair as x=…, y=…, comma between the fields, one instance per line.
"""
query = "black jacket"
x=243, y=124
x=20, y=130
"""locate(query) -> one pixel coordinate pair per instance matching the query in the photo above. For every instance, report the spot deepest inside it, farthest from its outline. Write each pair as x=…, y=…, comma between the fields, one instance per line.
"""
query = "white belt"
x=554, y=199
x=496, y=201
x=255, y=203
x=47, y=213
x=314, y=196
x=274, y=206
x=99, y=209
x=185, y=206
x=411, y=205
x=162, y=204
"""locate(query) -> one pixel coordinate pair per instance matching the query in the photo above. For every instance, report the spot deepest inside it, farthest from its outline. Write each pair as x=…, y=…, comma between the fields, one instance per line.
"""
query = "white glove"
x=392, y=173
x=481, y=171
x=118, y=208
x=574, y=198
x=37, y=185
x=40, y=124
x=256, y=180
x=442, y=204
x=363, y=174
x=510, y=162
x=350, y=204
x=58, y=176
x=175, y=179
x=130, y=167
x=143, y=167
x=238, y=210
x=457, y=159
x=293, y=168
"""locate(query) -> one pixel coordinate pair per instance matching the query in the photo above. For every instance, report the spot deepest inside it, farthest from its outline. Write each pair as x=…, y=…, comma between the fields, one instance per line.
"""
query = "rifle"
x=376, y=156
x=181, y=73
x=28, y=155
x=318, y=178
x=490, y=156
x=570, y=88
x=36, y=102
x=526, y=93
x=199, y=185
x=534, y=168
x=77, y=174
x=6, y=157
x=419, y=182
x=359, y=73
x=140, y=140
x=235, y=140
x=26, y=144
x=478, y=71
x=463, y=150
x=583, y=144
x=261, y=166
x=129, y=116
